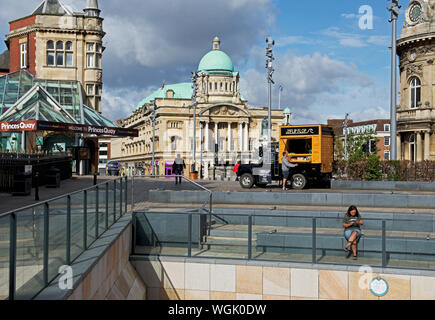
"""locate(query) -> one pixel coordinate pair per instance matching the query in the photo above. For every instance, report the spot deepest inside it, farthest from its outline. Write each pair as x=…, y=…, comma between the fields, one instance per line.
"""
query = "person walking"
x=178, y=168
x=236, y=169
x=286, y=168
x=352, y=223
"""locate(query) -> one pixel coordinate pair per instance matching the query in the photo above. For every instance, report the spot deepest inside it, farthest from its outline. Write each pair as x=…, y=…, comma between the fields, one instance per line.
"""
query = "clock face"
x=415, y=12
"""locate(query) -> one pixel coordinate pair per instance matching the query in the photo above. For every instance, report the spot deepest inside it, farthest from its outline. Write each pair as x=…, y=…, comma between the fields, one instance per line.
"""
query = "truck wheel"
x=299, y=181
x=247, y=181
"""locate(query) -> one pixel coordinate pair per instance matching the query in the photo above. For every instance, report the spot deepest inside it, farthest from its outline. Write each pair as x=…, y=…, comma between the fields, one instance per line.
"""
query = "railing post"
x=126, y=194
x=132, y=193
x=133, y=245
x=46, y=242
x=249, y=237
x=85, y=219
x=120, y=197
x=12, y=255
x=107, y=205
x=114, y=200
x=68, y=230
x=97, y=213
x=314, y=252
x=384, y=244
x=189, y=235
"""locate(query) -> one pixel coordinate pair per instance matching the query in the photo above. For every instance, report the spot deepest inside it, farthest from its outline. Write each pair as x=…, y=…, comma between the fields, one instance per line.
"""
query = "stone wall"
x=113, y=277
x=169, y=279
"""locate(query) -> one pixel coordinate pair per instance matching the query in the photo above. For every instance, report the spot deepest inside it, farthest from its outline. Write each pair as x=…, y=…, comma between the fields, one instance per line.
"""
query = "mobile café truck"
x=310, y=146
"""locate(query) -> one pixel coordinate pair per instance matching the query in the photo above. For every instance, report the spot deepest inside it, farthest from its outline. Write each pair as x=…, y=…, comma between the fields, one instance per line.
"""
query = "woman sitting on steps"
x=352, y=223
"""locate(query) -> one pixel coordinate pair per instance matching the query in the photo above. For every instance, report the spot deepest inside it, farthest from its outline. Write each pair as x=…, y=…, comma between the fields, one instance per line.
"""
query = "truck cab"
x=310, y=146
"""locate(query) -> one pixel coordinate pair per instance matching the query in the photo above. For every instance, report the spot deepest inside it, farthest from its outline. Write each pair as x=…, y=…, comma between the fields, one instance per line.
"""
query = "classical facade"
x=416, y=112
x=57, y=44
x=227, y=129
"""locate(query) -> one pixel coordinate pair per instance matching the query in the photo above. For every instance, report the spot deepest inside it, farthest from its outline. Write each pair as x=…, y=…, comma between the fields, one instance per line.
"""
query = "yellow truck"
x=310, y=146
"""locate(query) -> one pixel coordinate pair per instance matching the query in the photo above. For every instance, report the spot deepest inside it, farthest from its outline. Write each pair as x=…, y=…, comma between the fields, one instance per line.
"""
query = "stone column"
x=240, y=136
x=419, y=146
x=207, y=135
x=426, y=145
x=399, y=148
x=229, y=136
x=216, y=134
x=246, y=136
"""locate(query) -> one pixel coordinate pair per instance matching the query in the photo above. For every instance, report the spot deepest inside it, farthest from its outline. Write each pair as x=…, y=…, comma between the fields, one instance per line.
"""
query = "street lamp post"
x=345, y=125
x=394, y=9
x=269, y=54
x=153, y=120
x=194, y=87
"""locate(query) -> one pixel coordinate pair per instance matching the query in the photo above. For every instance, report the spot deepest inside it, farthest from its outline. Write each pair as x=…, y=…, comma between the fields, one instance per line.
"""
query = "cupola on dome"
x=216, y=60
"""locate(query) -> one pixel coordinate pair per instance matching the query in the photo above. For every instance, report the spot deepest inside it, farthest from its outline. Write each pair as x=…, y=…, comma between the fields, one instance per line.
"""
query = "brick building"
x=380, y=127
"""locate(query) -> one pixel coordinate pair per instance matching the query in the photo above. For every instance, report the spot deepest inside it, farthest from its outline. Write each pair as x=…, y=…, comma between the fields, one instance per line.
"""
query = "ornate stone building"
x=416, y=113
x=57, y=44
x=224, y=123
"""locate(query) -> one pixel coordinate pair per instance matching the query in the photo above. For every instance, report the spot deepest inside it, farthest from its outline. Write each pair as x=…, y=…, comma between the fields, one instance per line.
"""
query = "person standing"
x=352, y=223
x=286, y=168
x=178, y=168
x=236, y=169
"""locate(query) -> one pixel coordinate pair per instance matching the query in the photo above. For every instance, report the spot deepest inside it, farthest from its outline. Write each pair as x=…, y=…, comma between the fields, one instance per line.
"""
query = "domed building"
x=227, y=129
x=416, y=113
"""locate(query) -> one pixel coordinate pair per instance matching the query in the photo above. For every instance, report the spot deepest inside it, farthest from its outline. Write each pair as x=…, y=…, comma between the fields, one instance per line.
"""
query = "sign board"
x=39, y=141
x=27, y=169
x=33, y=125
x=379, y=287
x=300, y=131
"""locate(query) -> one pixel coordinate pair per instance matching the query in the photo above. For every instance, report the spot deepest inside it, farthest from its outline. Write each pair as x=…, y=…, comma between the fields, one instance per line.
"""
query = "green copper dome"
x=216, y=60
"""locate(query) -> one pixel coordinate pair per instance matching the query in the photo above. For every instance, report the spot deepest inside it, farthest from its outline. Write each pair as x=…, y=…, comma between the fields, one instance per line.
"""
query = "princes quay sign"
x=34, y=125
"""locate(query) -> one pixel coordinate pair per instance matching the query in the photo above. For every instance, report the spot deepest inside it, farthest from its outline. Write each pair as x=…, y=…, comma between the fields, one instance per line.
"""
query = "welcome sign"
x=33, y=125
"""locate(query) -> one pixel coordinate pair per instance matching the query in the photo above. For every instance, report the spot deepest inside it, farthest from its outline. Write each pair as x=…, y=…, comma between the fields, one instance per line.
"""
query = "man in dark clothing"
x=178, y=168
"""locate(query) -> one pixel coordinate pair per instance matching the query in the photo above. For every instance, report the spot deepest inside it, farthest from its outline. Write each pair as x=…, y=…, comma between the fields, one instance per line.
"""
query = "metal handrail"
x=5, y=214
x=13, y=226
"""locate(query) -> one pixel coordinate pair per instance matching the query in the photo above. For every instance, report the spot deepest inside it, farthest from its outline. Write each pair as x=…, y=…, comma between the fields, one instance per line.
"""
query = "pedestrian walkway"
x=8, y=202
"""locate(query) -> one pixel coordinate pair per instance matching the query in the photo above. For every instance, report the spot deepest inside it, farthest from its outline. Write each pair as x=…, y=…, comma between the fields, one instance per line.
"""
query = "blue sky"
x=327, y=65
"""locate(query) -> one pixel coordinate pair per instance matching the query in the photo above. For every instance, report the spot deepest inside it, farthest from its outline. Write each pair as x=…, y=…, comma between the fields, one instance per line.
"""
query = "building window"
x=93, y=55
x=23, y=55
x=415, y=92
x=173, y=143
x=210, y=86
x=372, y=145
x=386, y=155
x=60, y=55
x=387, y=127
x=387, y=141
x=90, y=89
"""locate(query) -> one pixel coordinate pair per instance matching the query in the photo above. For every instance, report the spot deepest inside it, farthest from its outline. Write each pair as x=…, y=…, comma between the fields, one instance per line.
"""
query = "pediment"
x=225, y=110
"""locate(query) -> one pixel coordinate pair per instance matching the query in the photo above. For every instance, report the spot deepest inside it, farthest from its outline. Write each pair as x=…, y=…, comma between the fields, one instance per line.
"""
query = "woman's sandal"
x=346, y=249
x=355, y=258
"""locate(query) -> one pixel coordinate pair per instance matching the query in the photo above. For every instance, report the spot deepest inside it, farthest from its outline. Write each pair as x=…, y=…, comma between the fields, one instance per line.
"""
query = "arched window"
x=50, y=53
x=415, y=92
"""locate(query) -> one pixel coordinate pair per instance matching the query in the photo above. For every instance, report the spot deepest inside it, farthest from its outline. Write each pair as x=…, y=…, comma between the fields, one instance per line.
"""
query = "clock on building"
x=415, y=12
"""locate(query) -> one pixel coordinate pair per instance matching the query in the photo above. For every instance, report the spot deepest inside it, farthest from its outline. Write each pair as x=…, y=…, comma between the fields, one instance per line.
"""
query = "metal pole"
x=126, y=195
x=279, y=96
x=314, y=252
x=96, y=211
x=85, y=219
x=107, y=205
x=153, y=120
x=46, y=242
x=394, y=9
x=249, y=237
x=346, y=123
x=132, y=193
x=114, y=201
x=12, y=255
x=194, y=87
x=68, y=230
x=189, y=235
x=384, y=244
